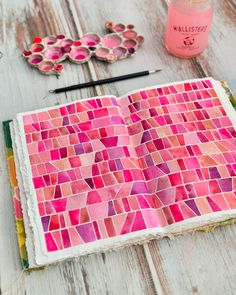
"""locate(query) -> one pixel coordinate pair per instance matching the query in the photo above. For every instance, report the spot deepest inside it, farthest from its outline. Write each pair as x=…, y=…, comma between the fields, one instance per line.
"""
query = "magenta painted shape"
x=51, y=245
x=138, y=223
x=86, y=231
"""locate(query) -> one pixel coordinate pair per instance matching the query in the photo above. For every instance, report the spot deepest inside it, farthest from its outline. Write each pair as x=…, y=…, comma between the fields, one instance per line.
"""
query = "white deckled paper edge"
x=29, y=236
x=34, y=231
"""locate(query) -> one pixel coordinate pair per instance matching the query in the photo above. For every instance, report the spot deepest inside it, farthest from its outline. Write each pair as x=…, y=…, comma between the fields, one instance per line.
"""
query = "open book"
x=104, y=172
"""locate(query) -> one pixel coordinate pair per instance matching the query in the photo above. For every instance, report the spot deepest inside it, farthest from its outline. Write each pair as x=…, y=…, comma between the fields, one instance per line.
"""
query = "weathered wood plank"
x=23, y=89
x=202, y=263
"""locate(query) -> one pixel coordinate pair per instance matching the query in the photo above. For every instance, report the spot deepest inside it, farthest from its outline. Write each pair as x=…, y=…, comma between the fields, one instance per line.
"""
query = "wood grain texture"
x=193, y=264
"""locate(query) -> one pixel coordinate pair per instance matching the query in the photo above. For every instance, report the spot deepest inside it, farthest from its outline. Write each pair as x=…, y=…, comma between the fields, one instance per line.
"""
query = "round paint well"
x=46, y=66
x=58, y=67
x=77, y=43
x=60, y=37
x=102, y=52
x=37, y=48
x=129, y=34
x=50, y=40
x=35, y=59
x=109, y=25
x=111, y=58
x=119, y=28
x=27, y=53
x=140, y=39
x=130, y=27
x=53, y=53
x=120, y=52
x=79, y=54
x=66, y=43
x=90, y=39
x=111, y=40
x=130, y=43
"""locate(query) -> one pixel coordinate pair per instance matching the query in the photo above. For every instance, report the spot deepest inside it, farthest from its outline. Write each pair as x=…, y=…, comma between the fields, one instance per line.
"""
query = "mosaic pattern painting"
x=106, y=167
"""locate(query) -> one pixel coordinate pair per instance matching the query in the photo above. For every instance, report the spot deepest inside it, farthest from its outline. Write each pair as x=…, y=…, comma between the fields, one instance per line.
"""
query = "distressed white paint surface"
x=194, y=264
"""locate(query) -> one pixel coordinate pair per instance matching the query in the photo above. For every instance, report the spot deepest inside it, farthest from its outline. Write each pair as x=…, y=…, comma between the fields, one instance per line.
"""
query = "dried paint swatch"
x=105, y=172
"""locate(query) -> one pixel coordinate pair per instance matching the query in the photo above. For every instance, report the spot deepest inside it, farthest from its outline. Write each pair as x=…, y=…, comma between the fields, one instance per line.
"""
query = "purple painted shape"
x=114, y=101
x=139, y=188
x=65, y=121
x=146, y=137
x=89, y=181
x=164, y=167
x=149, y=160
x=79, y=149
x=86, y=232
x=111, y=210
x=119, y=164
x=192, y=205
x=45, y=222
x=214, y=173
x=225, y=184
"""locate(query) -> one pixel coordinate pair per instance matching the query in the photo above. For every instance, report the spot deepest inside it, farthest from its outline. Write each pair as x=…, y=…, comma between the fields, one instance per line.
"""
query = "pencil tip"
x=155, y=71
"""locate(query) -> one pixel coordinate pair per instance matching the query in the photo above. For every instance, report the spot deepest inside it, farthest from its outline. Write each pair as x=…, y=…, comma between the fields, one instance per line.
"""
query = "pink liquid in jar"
x=188, y=27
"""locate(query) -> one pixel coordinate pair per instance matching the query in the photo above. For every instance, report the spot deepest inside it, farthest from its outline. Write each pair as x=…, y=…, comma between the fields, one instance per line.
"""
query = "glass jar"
x=188, y=27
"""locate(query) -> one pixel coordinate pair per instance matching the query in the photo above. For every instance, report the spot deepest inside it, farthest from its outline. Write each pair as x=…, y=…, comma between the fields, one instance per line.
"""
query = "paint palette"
x=48, y=53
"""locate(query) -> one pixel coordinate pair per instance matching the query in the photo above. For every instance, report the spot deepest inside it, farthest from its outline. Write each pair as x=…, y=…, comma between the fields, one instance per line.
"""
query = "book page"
x=186, y=146
x=80, y=174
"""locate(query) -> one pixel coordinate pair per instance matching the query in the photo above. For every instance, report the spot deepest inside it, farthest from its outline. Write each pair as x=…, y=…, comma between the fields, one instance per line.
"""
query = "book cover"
x=105, y=172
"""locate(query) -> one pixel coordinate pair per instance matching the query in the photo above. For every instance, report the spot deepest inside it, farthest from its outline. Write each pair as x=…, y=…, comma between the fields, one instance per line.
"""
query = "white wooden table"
x=201, y=263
